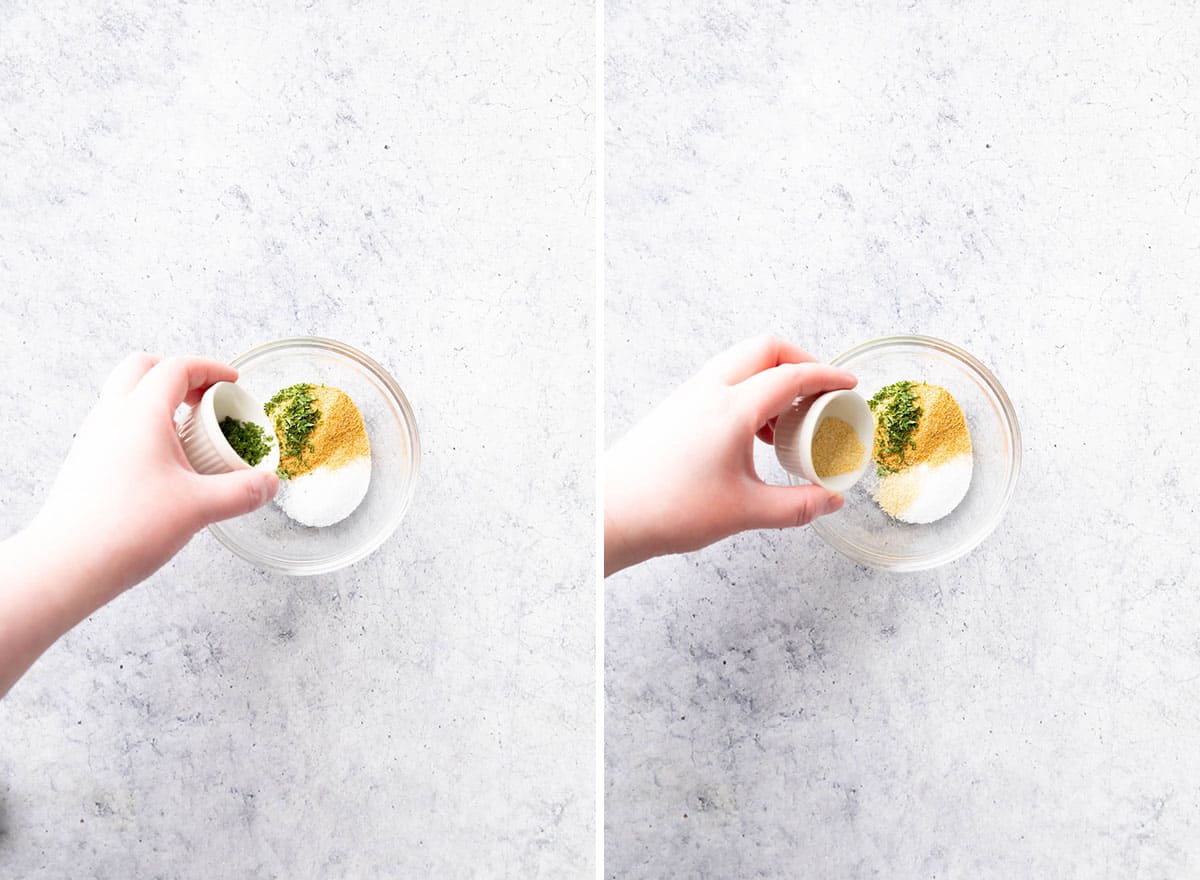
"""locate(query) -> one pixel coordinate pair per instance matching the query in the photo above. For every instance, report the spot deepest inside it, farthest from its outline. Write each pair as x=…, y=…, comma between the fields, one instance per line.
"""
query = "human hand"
x=126, y=500
x=684, y=476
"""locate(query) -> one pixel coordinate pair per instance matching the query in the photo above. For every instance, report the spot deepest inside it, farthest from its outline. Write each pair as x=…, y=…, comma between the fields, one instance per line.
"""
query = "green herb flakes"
x=295, y=415
x=897, y=414
x=248, y=440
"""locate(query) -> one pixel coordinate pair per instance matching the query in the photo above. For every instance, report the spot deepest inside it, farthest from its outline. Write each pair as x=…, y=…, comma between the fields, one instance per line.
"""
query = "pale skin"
x=124, y=502
x=684, y=476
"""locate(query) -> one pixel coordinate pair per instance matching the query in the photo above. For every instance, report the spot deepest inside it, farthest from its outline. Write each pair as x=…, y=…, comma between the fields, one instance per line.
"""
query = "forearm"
x=619, y=552
x=42, y=595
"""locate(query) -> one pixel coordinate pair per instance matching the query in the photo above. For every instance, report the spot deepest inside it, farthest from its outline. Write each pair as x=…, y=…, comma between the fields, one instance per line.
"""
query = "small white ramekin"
x=796, y=427
x=205, y=446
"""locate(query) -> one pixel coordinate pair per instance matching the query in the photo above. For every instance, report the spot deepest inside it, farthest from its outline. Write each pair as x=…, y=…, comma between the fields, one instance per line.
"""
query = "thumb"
x=782, y=507
x=223, y=496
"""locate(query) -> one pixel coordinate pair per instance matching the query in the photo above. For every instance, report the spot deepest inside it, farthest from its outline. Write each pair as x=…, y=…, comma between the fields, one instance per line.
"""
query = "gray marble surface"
x=415, y=181
x=1023, y=184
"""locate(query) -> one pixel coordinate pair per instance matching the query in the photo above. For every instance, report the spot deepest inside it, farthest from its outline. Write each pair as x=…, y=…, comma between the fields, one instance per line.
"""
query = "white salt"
x=935, y=491
x=324, y=496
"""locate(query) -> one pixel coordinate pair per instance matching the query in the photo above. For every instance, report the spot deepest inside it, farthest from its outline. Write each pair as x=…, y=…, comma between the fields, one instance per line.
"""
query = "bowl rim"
x=329, y=564
x=865, y=556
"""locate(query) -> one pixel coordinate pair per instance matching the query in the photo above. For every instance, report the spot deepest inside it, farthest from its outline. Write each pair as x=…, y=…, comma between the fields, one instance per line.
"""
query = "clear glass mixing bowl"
x=861, y=530
x=268, y=537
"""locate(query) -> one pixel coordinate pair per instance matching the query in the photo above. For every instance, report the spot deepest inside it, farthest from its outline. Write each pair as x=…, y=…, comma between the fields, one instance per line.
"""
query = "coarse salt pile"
x=923, y=448
x=325, y=461
x=325, y=495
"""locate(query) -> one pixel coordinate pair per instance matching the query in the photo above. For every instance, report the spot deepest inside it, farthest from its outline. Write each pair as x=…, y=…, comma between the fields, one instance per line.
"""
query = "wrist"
x=624, y=543
x=76, y=573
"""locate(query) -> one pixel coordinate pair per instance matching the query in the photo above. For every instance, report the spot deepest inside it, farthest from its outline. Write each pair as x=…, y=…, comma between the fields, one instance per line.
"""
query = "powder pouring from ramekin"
x=205, y=446
x=796, y=428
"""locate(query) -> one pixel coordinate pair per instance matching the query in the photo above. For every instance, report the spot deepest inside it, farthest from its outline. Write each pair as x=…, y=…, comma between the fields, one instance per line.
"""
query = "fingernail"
x=835, y=502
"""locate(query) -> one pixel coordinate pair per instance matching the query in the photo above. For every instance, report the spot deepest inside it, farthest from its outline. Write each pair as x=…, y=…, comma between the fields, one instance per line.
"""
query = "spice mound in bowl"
x=922, y=451
x=324, y=453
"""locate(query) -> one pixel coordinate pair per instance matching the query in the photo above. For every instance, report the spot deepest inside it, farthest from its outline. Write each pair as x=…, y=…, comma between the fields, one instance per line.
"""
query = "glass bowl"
x=861, y=530
x=268, y=537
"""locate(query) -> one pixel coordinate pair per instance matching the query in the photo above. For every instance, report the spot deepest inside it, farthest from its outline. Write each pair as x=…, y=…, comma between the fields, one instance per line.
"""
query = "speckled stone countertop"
x=418, y=184
x=1022, y=184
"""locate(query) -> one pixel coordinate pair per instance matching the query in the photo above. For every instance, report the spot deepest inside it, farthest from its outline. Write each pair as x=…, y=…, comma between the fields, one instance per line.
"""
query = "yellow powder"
x=941, y=432
x=898, y=491
x=836, y=449
x=942, y=429
x=338, y=438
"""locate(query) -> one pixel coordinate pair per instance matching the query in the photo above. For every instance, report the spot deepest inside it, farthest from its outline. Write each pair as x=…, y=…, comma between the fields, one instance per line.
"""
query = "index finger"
x=770, y=392
x=126, y=375
x=170, y=381
x=752, y=356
